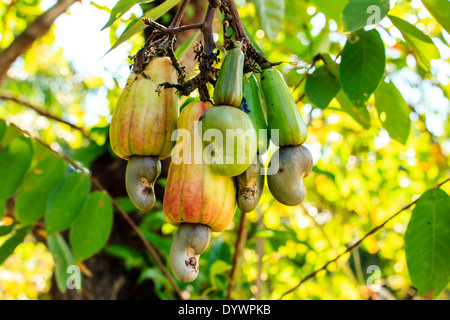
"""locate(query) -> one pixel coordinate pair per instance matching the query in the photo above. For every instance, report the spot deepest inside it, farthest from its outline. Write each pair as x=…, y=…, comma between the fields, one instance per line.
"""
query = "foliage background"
x=361, y=177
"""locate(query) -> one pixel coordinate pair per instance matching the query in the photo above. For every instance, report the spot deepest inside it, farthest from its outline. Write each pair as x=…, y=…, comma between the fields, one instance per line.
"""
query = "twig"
x=206, y=58
x=357, y=243
x=99, y=186
x=33, y=31
x=10, y=97
x=179, y=14
x=260, y=253
x=231, y=14
x=237, y=252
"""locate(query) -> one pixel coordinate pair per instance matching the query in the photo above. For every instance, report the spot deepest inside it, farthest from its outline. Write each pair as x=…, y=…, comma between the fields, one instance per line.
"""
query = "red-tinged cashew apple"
x=141, y=127
x=196, y=199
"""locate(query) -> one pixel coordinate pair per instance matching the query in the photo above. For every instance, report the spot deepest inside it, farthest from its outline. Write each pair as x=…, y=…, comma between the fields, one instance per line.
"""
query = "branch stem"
x=10, y=97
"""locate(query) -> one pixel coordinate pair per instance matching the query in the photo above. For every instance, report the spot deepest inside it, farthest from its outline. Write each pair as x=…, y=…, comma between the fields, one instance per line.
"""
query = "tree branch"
x=8, y=96
x=99, y=186
x=357, y=243
x=33, y=32
x=240, y=243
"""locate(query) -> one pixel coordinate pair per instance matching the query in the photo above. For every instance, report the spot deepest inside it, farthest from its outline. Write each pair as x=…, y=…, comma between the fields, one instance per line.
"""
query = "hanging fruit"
x=228, y=87
x=196, y=200
x=141, y=127
x=294, y=161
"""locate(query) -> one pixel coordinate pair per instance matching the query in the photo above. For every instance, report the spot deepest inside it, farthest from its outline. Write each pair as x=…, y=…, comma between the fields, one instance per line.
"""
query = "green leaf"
x=4, y=230
x=321, y=87
x=152, y=221
x=360, y=13
x=66, y=202
x=31, y=200
x=423, y=47
x=324, y=172
x=270, y=14
x=184, y=48
x=137, y=25
x=121, y=7
x=90, y=153
x=154, y=274
x=159, y=242
x=2, y=207
x=427, y=241
x=8, y=247
x=440, y=10
x=393, y=111
x=15, y=160
x=2, y=129
x=360, y=115
x=131, y=257
x=91, y=229
x=62, y=257
x=10, y=134
x=252, y=41
x=218, y=267
x=332, y=9
x=363, y=61
x=220, y=250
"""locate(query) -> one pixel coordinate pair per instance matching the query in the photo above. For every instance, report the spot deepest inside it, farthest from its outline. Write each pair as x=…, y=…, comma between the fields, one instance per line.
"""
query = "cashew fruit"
x=194, y=193
x=234, y=140
x=252, y=105
x=189, y=241
x=294, y=164
x=282, y=112
x=250, y=186
x=228, y=87
x=141, y=127
x=140, y=177
x=145, y=116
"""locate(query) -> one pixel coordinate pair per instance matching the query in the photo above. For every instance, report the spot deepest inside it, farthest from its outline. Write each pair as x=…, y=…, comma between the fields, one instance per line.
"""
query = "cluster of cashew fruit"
x=214, y=177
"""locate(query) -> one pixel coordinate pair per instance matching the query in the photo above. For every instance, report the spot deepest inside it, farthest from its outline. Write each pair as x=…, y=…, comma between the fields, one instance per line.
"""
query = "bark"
x=34, y=31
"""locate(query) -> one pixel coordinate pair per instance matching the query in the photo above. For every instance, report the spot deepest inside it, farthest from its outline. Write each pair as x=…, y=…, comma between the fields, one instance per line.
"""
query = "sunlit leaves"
x=271, y=16
x=7, y=248
x=426, y=243
x=90, y=230
x=63, y=258
x=332, y=9
x=187, y=45
x=423, y=47
x=440, y=10
x=360, y=115
x=32, y=197
x=66, y=202
x=2, y=129
x=393, y=111
x=137, y=25
x=360, y=13
x=15, y=160
x=321, y=87
x=121, y=7
x=362, y=66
